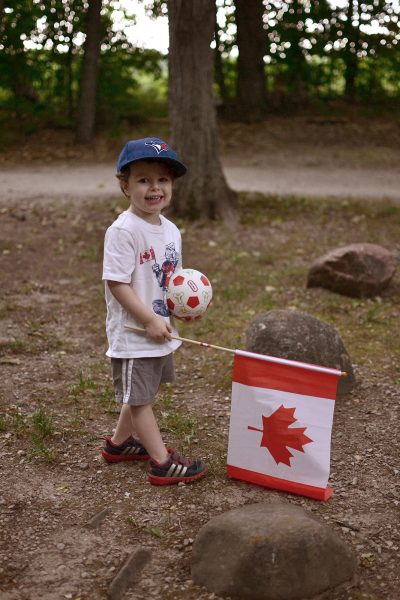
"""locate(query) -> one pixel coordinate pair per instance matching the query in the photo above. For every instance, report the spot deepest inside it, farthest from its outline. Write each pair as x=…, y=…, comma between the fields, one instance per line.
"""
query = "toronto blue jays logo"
x=157, y=146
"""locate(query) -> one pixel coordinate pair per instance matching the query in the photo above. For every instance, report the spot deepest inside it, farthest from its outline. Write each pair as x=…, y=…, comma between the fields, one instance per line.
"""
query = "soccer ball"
x=189, y=293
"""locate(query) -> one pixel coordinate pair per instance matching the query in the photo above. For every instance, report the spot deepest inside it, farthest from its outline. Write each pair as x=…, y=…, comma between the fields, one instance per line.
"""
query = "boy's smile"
x=149, y=188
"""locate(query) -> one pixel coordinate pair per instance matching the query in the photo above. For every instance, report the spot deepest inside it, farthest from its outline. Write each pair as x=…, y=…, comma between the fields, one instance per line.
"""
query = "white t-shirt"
x=145, y=256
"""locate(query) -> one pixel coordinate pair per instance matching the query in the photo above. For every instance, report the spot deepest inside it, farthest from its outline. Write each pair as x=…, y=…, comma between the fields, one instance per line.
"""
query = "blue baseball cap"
x=150, y=149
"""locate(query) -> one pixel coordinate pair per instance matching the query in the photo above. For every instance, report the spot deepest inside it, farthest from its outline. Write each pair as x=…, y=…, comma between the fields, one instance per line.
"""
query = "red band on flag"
x=297, y=380
x=280, y=484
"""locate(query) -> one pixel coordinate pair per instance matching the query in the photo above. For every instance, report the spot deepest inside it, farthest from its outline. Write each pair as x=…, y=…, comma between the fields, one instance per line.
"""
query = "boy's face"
x=149, y=188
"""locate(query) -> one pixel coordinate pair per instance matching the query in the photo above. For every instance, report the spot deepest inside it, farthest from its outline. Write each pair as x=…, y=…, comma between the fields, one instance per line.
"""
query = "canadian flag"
x=147, y=255
x=281, y=424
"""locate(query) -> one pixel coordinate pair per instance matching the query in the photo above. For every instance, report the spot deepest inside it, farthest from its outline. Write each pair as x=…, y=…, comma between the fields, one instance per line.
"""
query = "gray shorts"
x=136, y=380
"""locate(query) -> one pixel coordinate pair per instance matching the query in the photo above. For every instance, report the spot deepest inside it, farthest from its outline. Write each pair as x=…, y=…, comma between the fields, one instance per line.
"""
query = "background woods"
x=56, y=57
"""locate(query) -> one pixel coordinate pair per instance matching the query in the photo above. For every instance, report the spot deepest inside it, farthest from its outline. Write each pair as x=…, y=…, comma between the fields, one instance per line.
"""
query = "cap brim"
x=178, y=168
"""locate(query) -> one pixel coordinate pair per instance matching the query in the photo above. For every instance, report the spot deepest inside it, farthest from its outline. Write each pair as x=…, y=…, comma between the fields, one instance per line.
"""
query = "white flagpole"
x=264, y=357
x=182, y=339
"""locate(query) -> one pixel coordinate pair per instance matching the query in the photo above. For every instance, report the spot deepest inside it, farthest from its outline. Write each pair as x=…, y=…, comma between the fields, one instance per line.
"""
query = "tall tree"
x=297, y=32
x=18, y=23
x=251, y=41
x=352, y=33
x=203, y=192
x=353, y=21
x=90, y=71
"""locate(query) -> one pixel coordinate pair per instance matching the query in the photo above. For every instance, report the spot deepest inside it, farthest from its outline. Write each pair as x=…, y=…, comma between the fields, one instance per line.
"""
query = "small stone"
x=97, y=519
x=129, y=573
x=83, y=466
x=356, y=270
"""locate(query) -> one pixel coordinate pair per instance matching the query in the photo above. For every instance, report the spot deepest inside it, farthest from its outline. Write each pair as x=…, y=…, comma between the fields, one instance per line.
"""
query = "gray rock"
x=357, y=270
x=270, y=552
x=296, y=335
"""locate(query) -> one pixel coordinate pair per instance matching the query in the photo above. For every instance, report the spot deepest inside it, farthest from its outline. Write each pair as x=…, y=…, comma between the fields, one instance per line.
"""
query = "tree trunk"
x=296, y=61
x=350, y=53
x=252, y=42
x=69, y=80
x=1, y=11
x=90, y=71
x=203, y=191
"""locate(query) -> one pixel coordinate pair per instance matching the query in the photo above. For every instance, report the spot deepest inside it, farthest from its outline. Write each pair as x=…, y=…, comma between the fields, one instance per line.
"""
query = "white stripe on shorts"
x=127, y=364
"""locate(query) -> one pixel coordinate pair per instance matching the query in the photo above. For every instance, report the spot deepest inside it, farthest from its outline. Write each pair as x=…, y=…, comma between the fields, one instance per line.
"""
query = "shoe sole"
x=174, y=480
x=115, y=458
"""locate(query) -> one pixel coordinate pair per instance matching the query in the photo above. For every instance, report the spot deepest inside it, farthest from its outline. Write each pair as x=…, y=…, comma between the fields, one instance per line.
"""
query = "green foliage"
x=314, y=52
x=134, y=83
x=42, y=428
x=41, y=53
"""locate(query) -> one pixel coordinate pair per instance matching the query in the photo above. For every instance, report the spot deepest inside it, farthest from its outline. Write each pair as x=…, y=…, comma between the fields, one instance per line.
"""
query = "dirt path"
x=75, y=181
x=300, y=156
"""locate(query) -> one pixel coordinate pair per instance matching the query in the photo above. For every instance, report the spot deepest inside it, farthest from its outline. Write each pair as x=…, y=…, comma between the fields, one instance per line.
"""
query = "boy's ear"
x=125, y=186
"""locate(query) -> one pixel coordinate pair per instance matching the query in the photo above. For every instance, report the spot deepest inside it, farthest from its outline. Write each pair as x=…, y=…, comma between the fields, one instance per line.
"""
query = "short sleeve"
x=119, y=255
x=180, y=260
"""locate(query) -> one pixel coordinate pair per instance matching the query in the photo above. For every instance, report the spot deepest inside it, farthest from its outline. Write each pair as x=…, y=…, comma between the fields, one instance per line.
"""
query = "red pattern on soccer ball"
x=189, y=293
x=178, y=280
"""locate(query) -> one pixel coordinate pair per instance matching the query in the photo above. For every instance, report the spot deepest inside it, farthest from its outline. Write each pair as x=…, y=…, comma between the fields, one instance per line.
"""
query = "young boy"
x=141, y=251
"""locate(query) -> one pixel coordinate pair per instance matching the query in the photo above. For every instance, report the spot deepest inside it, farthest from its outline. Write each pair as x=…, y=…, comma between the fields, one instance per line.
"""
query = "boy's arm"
x=156, y=328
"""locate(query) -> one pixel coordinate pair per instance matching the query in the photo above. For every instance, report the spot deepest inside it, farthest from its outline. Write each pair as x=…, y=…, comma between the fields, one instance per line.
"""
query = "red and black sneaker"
x=131, y=449
x=176, y=469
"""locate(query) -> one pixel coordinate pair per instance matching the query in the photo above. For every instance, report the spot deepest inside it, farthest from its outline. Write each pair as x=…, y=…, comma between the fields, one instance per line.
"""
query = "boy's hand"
x=158, y=330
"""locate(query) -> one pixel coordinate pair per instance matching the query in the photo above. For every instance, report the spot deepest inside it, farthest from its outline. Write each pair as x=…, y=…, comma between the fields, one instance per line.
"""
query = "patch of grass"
x=234, y=292
x=183, y=427
x=265, y=302
x=18, y=424
x=171, y=418
x=42, y=428
x=3, y=425
x=107, y=398
x=84, y=384
x=18, y=347
x=167, y=398
x=151, y=529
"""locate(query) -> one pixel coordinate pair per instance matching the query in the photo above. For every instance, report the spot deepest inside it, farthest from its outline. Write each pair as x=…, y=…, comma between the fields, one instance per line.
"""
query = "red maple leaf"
x=277, y=435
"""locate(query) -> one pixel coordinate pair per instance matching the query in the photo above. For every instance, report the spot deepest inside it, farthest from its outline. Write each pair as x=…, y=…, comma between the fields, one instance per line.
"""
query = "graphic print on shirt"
x=163, y=274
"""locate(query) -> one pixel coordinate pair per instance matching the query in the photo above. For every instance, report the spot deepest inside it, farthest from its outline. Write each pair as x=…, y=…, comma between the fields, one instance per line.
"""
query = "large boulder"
x=357, y=270
x=296, y=335
x=270, y=552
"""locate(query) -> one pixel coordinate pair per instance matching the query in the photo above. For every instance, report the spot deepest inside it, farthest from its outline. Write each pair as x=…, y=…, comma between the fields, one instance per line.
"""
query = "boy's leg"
x=124, y=427
x=166, y=467
x=139, y=419
x=148, y=431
